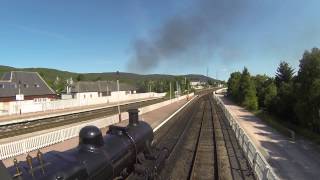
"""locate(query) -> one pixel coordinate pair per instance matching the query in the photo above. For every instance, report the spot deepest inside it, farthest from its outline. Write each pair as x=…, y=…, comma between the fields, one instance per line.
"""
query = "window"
x=36, y=85
x=1, y=85
x=39, y=100
x=26, y=85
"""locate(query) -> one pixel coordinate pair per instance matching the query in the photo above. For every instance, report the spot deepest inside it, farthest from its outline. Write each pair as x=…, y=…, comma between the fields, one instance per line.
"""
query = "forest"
x=292, y=95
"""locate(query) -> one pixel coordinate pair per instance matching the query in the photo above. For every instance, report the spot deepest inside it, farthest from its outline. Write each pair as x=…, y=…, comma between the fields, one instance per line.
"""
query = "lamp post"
x=19, y=100
x=186, y=87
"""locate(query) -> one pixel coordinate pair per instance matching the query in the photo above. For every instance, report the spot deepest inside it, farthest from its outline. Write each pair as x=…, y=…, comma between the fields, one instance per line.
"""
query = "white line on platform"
x=166, y=120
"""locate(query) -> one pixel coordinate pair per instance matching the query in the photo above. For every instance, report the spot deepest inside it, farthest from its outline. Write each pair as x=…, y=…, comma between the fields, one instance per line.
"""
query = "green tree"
x=261, y=82
x=247, y=91
x=58, y=85
x=80, y=77
x=308, y=90
x=233, y=85
x=284, y=73
x=270, y=94
x=285, y=99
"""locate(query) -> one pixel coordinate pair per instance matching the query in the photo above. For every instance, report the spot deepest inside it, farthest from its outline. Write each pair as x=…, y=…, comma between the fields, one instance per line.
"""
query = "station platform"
x=58, y=112
x=154, y=118
x=299, y=159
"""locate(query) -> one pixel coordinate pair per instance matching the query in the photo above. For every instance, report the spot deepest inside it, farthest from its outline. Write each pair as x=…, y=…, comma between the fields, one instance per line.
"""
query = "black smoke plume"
x=203, y=25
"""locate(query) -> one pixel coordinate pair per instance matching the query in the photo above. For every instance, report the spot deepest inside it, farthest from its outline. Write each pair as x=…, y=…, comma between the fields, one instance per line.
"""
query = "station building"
x=95, y=89
x=198, y=84
x=20, y=85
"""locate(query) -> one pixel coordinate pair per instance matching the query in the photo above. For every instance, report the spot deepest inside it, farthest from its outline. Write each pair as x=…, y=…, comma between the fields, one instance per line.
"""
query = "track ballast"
x=201, y=144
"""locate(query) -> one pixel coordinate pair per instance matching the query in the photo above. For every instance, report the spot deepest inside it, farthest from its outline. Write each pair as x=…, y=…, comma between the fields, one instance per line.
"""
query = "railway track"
x=201, y=145
x=52, y=122
x=205, y=155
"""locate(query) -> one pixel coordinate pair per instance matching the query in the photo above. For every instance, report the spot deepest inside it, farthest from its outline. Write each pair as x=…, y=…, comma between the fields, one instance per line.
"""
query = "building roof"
x=99, y=86
x=31, y=84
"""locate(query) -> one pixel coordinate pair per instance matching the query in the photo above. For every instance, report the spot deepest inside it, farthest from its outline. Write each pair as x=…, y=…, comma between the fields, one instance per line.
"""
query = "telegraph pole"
x=119, y=111
x=170, y=90
x=185, y=85
x=175, y=95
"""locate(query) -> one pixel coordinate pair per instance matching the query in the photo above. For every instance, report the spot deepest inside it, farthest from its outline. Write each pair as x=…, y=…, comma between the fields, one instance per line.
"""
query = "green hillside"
x=143, y=82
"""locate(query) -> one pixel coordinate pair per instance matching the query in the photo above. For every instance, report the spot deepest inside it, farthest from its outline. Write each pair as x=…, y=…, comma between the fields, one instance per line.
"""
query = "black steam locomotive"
x=125, y=152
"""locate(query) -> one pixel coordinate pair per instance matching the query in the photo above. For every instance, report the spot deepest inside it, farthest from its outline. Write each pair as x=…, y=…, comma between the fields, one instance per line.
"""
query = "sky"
x=167, y=37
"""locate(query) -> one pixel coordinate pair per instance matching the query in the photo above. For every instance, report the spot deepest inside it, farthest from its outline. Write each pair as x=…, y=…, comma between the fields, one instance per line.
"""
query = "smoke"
x=203, y=26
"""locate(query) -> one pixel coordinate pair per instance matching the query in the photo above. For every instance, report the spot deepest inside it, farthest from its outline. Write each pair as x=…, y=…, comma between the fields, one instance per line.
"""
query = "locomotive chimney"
x=133, y=117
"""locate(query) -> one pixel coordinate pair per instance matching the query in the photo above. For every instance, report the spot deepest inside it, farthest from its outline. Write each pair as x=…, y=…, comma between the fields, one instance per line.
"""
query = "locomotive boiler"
x=124, y=152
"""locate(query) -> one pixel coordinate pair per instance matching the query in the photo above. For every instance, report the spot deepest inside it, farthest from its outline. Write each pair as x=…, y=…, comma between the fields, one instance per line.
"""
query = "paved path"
x=154, y=118
x=290, y=160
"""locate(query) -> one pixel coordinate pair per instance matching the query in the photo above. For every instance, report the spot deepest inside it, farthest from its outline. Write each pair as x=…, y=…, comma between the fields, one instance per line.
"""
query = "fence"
x=258, y=163
x=33, y=143
x=28, y=106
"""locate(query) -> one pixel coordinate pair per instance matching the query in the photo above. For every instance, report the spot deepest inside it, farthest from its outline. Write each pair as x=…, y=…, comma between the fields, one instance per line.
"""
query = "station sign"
x=19, y=97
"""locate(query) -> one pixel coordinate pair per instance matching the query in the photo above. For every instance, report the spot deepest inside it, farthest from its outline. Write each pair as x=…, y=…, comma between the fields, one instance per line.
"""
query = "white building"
x=197, y=84
x=95, y=89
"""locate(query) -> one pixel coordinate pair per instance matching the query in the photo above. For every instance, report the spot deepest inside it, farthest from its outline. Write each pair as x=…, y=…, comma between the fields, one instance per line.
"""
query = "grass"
x=284, y=127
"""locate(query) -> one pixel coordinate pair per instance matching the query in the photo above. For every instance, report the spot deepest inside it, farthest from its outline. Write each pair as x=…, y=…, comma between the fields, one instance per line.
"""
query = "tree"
x=58, y=85
x=233, y=85
x=247, y=91
x=251, y=100
x=308, y=90
x=261, y=82
x=80, y=77
x=270, y=95
x=285, y=99
x=41, y=74
x=284, y=73
x=292, y=98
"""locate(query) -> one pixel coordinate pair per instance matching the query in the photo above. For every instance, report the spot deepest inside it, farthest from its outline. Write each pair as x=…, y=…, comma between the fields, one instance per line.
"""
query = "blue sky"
x=99, y=36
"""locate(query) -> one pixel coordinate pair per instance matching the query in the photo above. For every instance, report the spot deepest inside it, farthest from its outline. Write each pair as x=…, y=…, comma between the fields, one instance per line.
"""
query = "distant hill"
x=198, y=77
x=51, y=74
x=131, y=78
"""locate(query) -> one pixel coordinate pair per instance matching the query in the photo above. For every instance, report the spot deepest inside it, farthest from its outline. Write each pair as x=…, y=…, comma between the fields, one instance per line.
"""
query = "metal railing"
x=258, y=163
x=29, y=144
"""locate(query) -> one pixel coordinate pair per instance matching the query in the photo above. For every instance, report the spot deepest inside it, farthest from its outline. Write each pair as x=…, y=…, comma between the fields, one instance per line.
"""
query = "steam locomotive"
x=124, y=152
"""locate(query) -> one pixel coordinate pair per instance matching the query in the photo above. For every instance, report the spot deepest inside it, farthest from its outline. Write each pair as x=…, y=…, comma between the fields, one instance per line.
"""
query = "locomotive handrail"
x=133, y=144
